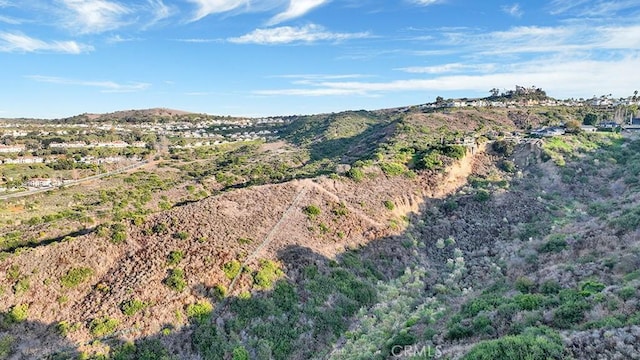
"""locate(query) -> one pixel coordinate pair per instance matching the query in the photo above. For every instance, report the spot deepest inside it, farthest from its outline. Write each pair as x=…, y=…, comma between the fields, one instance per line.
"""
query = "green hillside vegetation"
x=535, y=255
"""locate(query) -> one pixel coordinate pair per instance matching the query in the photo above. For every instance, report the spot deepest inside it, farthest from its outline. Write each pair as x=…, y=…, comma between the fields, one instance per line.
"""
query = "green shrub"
x=533, y=344
x=400, y=340
x=13, y=273
x=200, y=311
x=392, y=169
x=76, y=276
x=508, y=166
x=631, y=276
x=19, y=313
x=131, y=307
x=118, y=237
x=474, y=306
x=356, y=174
x=503, y=147
x=482, y=195
x=64, y=328
x=244, y=241
x=232, y=269
x=529, y=301
x=103, y=326
x=550, y=287
x=570, y=313
x=454, y=151
x=591, y=287
x=389, y=205
x=524, y=285
x=21, y=285
x=268, y=273
x=175, y=280
x=240, y=353
x=609, y=322
x=482, y=323
x=457, y=332
x=6, y=346
x=429, y=161
x=340, y=210
x=627, y=293
x=312, y=211
x=159, y=228
x=219, y=291
x=143, y=350
x=556, y=243
x=175, y=257
x=182, y=235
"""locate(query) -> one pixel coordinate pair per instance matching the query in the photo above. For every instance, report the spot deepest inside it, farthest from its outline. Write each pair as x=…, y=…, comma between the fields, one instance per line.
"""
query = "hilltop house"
x=588, y=128
x=11, y=148
x=68, y=145
x=43, y=182
x=24, y=160
x=548, y=131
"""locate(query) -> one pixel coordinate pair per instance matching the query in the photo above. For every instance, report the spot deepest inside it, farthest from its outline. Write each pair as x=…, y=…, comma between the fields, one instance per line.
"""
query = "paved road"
x=75, y=182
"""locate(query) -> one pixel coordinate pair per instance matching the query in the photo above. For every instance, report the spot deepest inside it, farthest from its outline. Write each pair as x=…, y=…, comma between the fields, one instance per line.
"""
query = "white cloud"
x=296, y=9
x=588, y=8
x=514, y=10
x=562, y=78
x=115, y=39
x=10, y=20
x=288, y=34
x=95, y=16
x=208, y=7
x=159, y=11
x=18, y=42
x=199, y=41
x=106, y=86
x=426, y=2
x=448, y=68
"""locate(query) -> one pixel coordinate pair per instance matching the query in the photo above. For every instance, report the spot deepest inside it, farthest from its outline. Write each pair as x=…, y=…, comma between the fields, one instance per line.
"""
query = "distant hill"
x=163, y=112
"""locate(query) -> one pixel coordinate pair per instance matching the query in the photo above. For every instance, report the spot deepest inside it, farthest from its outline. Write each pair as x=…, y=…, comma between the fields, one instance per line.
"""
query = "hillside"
x=356, y=235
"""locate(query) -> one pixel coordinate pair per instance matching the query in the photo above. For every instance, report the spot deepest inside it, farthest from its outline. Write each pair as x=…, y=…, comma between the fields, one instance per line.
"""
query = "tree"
x=572, y=126
x=590, y=119
x=495, y=92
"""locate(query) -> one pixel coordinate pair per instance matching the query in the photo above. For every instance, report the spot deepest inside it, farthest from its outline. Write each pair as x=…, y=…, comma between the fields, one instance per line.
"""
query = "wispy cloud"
x=105, y=86
x=565, y=78
x=559, y=39
x=9, y=20
x=591, y=8
x=514, y=10
x=425, y=2
x=288, y=34
x=562, y=6
x=159, y=11
x=448, y=68
x=317, y=77
x=115, y=39
x=208, y=7
x=200, y=41
x=296, y=9
x=19, y=42
x=95, y=16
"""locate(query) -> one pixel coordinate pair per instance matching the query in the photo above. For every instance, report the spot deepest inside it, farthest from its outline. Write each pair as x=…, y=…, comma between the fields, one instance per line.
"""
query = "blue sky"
x=278, y=57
